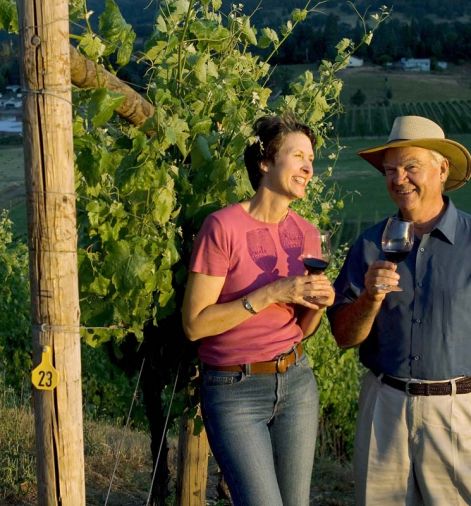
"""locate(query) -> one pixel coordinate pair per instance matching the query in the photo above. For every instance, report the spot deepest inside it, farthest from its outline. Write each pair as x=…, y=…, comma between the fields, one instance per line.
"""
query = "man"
x=412, y=322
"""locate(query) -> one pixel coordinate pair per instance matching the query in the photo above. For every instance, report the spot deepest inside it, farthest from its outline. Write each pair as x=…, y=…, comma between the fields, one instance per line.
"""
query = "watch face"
x=248, y=306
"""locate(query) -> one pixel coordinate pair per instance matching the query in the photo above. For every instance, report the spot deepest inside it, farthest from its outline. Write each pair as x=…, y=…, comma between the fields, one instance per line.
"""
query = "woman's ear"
x=264, y=166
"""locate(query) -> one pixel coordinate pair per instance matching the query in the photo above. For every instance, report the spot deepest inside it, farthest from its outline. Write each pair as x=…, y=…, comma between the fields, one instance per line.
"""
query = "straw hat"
x=424, y=133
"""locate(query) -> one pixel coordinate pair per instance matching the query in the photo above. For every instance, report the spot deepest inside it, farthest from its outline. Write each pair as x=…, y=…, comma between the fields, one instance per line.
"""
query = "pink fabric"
x=250, y=254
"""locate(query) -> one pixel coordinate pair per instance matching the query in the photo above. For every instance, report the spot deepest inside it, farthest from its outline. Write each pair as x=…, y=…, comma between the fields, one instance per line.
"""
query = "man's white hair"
x=437, y=157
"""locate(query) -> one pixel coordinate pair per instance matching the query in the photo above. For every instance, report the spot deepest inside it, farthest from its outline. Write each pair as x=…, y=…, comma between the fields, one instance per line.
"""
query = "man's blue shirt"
x=425, y=330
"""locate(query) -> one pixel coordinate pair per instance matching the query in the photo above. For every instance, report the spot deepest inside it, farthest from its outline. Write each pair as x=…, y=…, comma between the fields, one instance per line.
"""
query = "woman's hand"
x=313, y=291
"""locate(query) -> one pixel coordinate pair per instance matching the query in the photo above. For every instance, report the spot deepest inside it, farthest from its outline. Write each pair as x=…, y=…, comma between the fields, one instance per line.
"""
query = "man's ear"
x=444, y=170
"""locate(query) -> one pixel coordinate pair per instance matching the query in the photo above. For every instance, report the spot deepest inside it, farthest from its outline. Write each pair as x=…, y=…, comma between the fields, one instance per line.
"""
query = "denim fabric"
x=262, y=431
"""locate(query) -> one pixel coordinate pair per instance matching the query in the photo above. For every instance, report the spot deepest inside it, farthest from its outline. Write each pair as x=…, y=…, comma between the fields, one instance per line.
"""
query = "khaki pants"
x=412, y=450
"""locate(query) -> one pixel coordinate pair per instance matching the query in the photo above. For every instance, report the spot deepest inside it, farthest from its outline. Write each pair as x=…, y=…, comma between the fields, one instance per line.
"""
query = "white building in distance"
x=415, y=64
x=354, y=62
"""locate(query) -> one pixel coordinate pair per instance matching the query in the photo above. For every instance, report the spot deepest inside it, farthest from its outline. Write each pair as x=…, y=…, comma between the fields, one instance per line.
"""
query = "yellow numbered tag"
x=44, y=376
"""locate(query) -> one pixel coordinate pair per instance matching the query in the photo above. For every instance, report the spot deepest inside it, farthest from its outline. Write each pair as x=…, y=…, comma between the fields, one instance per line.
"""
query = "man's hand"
x=381, y=279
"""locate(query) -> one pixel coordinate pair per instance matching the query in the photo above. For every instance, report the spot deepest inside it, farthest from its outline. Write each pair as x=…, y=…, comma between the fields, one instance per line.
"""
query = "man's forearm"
x=351, y=323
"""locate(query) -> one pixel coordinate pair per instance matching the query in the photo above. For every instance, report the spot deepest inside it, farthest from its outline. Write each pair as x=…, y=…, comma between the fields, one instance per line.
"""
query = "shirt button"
x=416, y=357
x=417, y=320
x=421, y=250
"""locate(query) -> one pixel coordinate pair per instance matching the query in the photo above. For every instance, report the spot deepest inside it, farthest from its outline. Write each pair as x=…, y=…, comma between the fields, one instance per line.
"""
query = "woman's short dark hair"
x=270, y=132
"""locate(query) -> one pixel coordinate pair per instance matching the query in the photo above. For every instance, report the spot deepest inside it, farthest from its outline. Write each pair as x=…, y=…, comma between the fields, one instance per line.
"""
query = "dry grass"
x=332, y=482
x=104, y=443
x=17, y=459
x=101, y=441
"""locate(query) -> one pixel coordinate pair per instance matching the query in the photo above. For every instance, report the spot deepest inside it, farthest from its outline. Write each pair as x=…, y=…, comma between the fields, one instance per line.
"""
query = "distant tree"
x=3, y=81
x=331, y=35
x=358, y=98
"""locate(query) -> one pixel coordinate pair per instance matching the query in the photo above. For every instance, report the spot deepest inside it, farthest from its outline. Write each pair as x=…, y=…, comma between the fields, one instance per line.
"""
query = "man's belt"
x=278, y=365
x=463, y=386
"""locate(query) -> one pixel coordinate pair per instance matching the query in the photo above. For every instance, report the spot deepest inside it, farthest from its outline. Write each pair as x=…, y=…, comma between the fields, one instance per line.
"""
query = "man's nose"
x=399, y=176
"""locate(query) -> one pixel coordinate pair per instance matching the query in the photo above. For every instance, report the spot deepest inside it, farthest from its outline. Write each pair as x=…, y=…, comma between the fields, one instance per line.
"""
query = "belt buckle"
x=426, y=387
x=281, y=366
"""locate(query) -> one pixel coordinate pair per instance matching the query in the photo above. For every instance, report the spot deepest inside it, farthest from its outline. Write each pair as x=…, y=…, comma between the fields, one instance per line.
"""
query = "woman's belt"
x=278, y=365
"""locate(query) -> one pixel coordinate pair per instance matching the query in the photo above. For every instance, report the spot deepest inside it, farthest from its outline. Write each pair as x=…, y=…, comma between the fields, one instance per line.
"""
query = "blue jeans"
x=262, y=431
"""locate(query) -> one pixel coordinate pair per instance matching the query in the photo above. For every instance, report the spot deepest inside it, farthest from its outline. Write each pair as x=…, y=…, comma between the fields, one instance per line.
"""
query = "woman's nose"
x=308, y=167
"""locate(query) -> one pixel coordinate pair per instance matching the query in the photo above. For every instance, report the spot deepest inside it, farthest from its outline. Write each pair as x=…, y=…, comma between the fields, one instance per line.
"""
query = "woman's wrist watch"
x=248, y=306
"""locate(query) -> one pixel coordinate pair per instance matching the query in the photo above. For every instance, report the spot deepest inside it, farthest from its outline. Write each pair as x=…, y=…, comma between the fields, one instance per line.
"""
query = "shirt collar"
x=446, y=225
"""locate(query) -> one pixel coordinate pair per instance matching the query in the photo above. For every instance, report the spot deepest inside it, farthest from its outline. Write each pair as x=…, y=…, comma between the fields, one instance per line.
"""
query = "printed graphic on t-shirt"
x=292, y=241
x=262, y=248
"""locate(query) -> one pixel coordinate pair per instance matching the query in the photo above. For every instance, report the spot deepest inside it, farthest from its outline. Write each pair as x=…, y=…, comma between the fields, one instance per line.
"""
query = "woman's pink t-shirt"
x=249, y=254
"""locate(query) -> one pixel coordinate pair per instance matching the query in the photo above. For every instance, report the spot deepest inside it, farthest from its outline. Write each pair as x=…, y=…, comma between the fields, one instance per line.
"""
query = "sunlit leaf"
x=102, y=105
x=118, y=34
x=8, y=16
x=92, y=46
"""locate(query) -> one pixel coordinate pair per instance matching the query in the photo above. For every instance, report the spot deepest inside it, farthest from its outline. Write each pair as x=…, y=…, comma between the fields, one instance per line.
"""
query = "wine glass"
x=397, y=242
x=397, y=239
x=315, y=264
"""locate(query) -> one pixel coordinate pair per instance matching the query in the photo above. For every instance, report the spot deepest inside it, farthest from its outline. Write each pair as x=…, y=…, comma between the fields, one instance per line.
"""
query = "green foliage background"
x=143, y=192
x=15, y=336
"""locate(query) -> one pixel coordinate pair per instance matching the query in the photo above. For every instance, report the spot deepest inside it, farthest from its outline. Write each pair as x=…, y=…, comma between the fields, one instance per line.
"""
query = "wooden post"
x=192, y=465
x=49, y=174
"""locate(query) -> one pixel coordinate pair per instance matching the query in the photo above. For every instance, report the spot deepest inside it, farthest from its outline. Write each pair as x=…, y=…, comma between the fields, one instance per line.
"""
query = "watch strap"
x=248, y=306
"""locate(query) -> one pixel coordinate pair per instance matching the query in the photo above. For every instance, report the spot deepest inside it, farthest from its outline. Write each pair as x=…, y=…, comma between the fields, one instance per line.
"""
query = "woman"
x=250, y=303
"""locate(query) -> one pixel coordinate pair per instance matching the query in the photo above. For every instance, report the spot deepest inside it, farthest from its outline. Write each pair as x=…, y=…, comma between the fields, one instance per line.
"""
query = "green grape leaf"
x=92, y=46
x=164, y=202
x=118, y=34
x=161, y=25
x=100, y=285
x=8, y=16
x=102, y=105
x=200, y=69
x=267, y=37
x=249, y=32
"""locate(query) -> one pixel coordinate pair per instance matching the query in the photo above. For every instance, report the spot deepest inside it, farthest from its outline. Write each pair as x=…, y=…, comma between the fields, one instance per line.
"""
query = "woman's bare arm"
x=203, y=316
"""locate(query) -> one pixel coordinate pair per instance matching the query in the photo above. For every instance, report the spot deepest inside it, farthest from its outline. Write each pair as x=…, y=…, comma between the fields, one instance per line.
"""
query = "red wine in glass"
x=395, y=256
x=318, y=264
x=397, y=239
x=396, y=242
x=315, y=265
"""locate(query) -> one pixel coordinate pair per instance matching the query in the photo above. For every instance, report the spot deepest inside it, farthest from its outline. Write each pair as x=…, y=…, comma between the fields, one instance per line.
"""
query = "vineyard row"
x=375, y=120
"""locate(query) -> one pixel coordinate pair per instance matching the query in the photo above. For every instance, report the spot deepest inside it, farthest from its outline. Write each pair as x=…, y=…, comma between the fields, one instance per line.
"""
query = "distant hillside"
x=411, y=8
x=141, y=13
x=435, y=29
